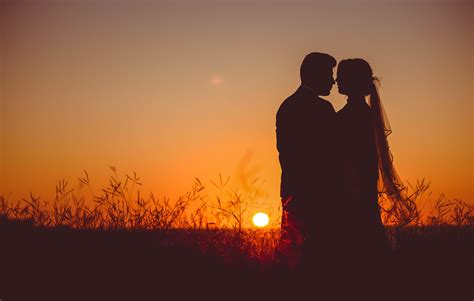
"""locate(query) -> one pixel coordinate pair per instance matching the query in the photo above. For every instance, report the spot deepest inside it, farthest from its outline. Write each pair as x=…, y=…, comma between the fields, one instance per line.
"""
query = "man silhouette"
x=305, y=132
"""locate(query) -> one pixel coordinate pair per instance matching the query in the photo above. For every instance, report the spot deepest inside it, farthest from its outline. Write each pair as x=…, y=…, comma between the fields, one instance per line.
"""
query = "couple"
x=331, y=164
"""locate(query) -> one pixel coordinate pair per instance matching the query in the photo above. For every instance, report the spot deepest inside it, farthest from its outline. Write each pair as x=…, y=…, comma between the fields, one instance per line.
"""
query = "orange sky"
x=175, y=90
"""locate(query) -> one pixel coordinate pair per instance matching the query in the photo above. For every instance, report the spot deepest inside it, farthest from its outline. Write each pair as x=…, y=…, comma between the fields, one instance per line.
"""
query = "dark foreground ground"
x=63, y=264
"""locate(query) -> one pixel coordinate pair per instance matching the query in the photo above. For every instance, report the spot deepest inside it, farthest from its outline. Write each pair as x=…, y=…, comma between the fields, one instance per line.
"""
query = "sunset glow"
x=174, y=90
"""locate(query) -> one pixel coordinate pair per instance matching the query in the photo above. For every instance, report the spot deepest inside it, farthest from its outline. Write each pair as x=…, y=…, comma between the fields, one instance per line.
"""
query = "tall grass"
x=121, y=206
x=215, y=223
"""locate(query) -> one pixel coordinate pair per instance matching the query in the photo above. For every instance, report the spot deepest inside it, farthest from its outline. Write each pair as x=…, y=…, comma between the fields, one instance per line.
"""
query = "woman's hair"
x=361, y=80
x=355, y=75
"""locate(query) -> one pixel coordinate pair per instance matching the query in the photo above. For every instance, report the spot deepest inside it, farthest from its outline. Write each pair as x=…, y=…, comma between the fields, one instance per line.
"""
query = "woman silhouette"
x=360, y=166
x=367, y=167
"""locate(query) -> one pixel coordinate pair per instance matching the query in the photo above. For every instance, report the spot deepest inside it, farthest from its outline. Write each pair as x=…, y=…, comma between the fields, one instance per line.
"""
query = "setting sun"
x=260, y=219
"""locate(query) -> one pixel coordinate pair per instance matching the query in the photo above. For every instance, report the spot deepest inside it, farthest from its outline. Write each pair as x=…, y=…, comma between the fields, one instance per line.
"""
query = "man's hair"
x=314, y=63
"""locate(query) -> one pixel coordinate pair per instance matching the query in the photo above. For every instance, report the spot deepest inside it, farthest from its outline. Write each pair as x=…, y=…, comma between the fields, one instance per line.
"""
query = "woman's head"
x=355, y=77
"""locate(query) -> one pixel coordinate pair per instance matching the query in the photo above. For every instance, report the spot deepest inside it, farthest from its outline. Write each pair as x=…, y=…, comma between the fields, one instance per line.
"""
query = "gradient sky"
x=182, y=89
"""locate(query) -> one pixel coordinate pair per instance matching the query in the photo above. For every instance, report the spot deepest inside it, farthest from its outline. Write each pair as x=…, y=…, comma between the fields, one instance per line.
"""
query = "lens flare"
x=216, y=80
x=260, y=219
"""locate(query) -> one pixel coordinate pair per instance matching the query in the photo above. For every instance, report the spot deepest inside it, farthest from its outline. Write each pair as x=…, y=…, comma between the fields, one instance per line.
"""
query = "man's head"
x=317, y=72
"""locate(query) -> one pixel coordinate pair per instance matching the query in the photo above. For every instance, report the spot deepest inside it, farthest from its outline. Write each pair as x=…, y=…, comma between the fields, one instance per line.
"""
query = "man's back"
x=306, y=129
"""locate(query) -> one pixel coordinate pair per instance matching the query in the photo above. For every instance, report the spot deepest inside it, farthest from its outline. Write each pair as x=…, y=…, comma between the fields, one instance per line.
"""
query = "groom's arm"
x=296, y=145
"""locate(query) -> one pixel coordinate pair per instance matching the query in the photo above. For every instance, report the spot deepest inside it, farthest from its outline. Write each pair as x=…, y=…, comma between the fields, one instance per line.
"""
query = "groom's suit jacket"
x=306, y=136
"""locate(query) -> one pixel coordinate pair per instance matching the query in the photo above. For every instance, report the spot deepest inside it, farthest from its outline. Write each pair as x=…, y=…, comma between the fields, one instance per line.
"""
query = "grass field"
x=135, y=249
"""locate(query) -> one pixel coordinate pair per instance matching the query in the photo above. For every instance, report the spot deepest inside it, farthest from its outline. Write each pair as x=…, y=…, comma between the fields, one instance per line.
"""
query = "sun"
x=260, y=219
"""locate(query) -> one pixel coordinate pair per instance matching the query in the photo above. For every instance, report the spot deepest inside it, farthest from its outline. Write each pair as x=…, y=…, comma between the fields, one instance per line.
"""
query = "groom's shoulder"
x=300, y=105
x=289, y=105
